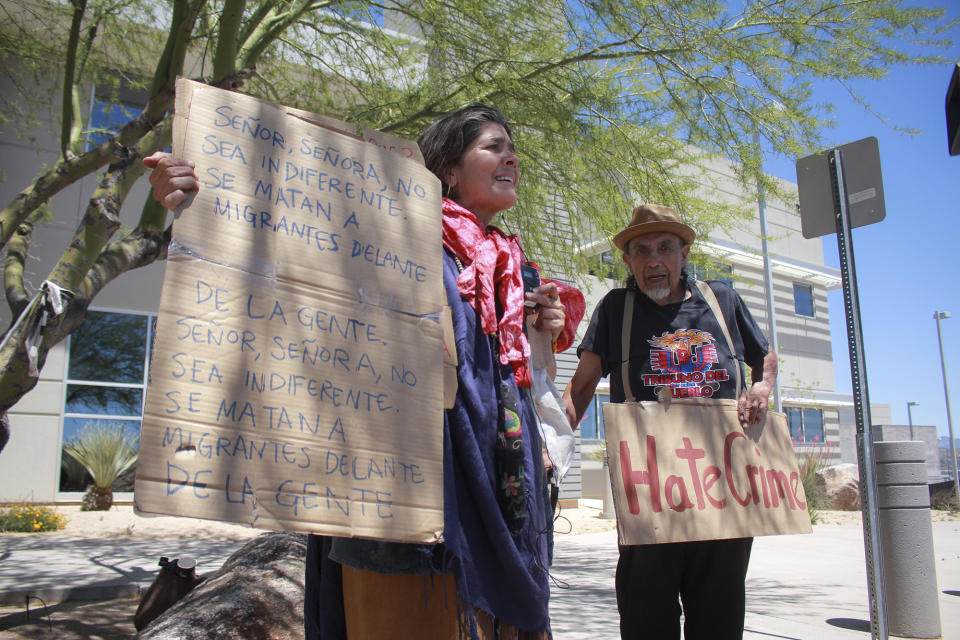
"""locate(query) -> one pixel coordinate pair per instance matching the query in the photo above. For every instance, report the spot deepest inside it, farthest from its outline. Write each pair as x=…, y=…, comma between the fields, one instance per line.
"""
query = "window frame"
x=599, y=397
x=361, y=16
x=802, y=412
x=718, y=272
x=803, y=286
x=95, y=136
x=64, y=415
x=603, y=265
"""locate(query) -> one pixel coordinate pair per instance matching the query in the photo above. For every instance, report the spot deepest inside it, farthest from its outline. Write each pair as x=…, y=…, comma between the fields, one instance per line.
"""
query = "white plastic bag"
x=554, y=427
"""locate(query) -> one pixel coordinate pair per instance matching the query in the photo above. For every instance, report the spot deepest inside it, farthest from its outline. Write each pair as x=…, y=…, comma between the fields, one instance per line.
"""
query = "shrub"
x=944, y=501
x=106, y=452
x=598, y=453
x=811, y=461
x=28, y=518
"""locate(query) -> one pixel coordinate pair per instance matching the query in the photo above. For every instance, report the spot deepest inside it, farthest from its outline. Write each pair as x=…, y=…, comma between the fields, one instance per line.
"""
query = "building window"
x=806, y=425
x=716, y=271
x=369, y=14
x=603, y=265
x=107, y=371
x=803, y=299
x=107, y=118
x=591, y=427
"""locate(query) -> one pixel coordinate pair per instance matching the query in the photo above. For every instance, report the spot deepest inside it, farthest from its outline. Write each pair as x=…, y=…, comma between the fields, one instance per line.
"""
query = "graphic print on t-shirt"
x=683, y=361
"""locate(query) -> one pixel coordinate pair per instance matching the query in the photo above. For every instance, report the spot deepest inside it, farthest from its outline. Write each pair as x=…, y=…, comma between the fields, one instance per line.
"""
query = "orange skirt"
x=380, y=605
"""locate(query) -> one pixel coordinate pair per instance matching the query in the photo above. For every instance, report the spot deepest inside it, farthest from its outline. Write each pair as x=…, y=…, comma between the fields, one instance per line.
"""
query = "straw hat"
x=651, y=218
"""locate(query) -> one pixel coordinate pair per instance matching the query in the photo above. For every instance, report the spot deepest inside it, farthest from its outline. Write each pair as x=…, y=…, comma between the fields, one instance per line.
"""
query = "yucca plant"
x=811, y=461
x=106, y=452
x=73, y=475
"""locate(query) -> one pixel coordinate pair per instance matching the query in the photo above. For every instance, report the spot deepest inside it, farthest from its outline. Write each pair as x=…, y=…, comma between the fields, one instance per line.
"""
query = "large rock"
x=842, y=486
x=257, y=593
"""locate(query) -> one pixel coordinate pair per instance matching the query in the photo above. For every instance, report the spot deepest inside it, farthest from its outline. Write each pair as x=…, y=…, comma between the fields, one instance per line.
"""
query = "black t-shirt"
x=679, y=346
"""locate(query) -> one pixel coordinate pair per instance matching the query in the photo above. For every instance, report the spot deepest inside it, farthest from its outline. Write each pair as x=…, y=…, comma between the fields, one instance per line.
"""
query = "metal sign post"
x=851, y=197
x=861, y=404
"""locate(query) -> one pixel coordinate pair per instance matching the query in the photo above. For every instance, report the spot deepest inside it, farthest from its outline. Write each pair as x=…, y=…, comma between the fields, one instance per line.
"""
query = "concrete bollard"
x=609, y=512
x=910, y=578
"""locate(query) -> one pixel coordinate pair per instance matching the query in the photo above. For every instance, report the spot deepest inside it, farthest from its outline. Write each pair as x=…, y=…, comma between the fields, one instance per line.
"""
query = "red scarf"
x=491, y=272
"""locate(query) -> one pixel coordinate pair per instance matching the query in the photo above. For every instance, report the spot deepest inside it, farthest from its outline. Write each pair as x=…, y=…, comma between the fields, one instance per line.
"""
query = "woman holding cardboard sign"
x=489, y=577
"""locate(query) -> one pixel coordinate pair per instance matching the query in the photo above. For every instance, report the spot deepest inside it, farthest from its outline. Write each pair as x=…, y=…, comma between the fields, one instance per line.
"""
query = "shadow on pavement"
x=773, y=597
x=583, y=602
x=854, y=624
x=71, y=620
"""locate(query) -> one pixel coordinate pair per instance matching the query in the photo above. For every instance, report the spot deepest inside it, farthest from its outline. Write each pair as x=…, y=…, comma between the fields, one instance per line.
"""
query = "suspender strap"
x=625, y=345
x=714, y=305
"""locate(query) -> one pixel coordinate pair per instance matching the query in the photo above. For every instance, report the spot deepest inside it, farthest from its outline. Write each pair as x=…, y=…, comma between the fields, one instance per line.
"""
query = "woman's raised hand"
x=172, y=178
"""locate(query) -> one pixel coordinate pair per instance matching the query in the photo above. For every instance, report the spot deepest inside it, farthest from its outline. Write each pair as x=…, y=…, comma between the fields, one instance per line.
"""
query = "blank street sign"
x=864, y=188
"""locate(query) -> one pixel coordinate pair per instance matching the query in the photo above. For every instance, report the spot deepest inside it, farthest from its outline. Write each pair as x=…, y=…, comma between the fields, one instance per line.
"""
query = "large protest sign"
x=297, y=375
x=686, y=470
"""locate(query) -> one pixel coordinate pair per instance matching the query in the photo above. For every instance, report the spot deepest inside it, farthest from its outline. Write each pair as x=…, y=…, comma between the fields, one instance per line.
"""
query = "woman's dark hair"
x=445, y=140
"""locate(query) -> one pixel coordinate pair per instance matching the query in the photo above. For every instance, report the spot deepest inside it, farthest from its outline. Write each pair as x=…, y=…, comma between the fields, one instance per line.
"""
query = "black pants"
x=708, y=577
x=323, y=617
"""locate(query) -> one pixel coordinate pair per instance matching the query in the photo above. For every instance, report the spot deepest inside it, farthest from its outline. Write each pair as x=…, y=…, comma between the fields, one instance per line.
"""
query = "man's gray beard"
x=657, y=293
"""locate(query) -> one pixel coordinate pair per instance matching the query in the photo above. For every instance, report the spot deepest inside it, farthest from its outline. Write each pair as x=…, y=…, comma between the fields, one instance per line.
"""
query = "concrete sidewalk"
x=62, y=568
x=800, y=587
x=807, y=587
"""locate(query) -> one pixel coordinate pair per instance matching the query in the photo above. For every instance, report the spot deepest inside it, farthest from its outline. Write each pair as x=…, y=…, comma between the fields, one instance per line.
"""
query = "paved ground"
x=804, y=587
x=71, y=620
x=809, y=587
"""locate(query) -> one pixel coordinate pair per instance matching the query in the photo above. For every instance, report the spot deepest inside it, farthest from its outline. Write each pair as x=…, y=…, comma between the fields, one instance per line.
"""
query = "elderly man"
x=708, y=576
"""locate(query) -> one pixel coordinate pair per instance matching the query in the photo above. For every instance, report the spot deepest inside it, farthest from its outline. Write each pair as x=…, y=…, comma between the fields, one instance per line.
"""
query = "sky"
x=907, y=265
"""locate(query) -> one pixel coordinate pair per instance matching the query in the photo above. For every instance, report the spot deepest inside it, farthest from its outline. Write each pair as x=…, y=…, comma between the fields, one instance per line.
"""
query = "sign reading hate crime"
x=296, y=380
x=686, y=470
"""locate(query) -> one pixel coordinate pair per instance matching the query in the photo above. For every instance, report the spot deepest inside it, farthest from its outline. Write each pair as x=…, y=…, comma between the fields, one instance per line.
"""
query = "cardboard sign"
x=297, y=374
x=686, y=470
x=405, y=148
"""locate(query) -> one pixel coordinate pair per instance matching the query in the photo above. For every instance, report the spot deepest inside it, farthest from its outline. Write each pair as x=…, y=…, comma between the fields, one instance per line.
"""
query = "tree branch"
x=225, y=53
x=67, y=171
x=137, y=249
x=270, y=30
x=170, y=64
x=14, y=264
x=99, y=223
x=70, y=125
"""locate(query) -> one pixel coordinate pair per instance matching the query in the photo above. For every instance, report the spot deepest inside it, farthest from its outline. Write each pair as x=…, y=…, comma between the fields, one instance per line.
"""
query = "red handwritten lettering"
x=728, y=466
x=710, y=476
x=752, y=472
x=631, y=478
x=763, y=485
x=691, y=455
x=797, y=486
x=701, y=489
x=779, y=488
x=684, y=502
